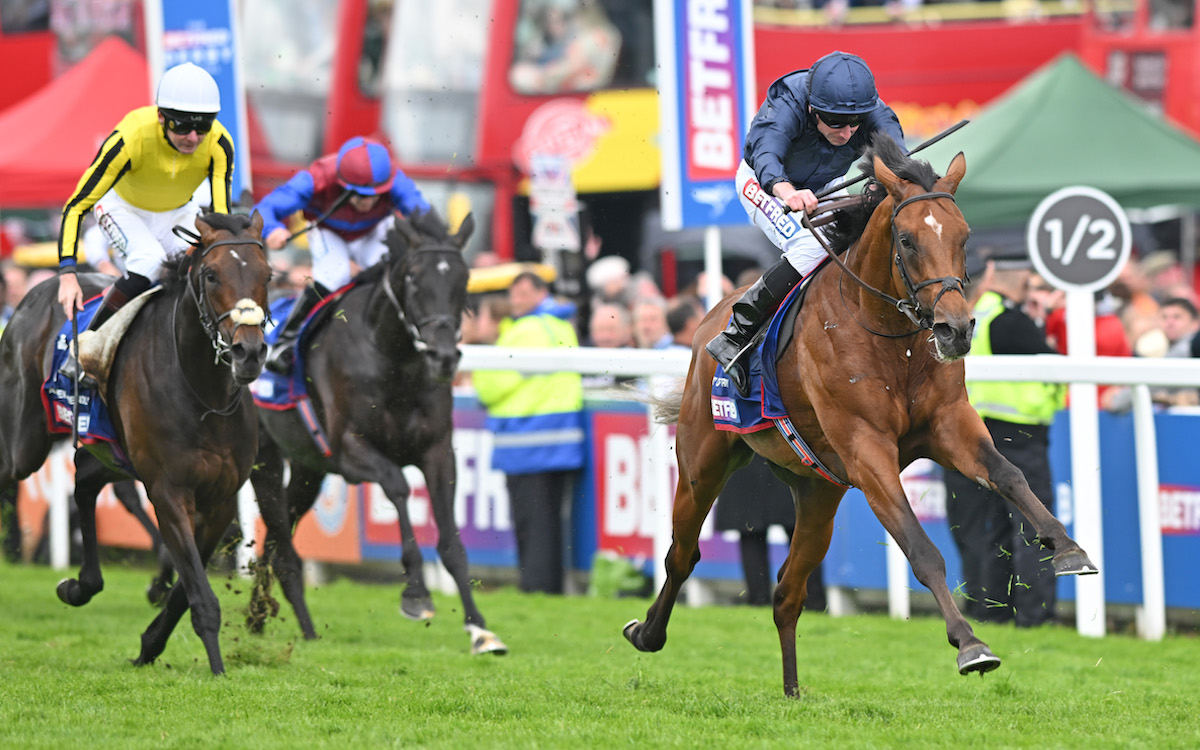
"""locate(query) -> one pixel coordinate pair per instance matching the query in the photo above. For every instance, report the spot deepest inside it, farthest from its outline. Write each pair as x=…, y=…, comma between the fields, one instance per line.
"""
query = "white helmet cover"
x=188, y=88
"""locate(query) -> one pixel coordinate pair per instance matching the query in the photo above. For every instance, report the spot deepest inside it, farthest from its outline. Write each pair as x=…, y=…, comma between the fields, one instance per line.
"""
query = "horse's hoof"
x=417, y=609
x=157, y=594
x=485, y=642
x=630, y=632
x=1074, y=563
x=978, y=658
x=70, y=592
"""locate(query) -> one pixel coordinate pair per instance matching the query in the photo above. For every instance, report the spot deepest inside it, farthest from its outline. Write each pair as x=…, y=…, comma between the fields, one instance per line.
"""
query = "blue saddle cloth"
x=281, y=392
x=734, y=413
x=58, y=395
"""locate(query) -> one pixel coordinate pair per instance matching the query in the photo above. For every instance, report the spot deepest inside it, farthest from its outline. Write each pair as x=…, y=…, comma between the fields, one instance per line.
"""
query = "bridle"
x=910, y=306
x=414, y=325
x=209, y=319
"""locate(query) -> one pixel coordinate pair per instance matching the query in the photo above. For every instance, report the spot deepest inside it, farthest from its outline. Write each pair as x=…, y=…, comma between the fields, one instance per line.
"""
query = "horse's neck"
x=871, y=260
x=382, y=320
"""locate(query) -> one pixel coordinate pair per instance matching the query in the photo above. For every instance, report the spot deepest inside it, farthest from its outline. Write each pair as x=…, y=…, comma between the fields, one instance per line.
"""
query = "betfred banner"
x=706, y=99
x=204, y=32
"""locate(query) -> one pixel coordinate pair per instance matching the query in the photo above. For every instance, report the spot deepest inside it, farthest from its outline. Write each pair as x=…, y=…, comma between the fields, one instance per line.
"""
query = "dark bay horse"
x=177, y=396
x=379, y=374
x=870, y=389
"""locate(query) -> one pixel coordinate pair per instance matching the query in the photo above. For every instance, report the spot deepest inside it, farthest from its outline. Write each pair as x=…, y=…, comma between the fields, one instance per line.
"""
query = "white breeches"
x=331, y=254
x=798, y=244
x=142, y=239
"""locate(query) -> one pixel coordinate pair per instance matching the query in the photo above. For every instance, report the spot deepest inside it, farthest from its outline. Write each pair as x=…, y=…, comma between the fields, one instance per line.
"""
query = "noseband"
x=910, y=306
x=414, y=325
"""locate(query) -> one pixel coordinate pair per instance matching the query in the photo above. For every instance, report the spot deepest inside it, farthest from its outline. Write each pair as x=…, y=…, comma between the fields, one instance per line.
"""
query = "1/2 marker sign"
x=1079, y=238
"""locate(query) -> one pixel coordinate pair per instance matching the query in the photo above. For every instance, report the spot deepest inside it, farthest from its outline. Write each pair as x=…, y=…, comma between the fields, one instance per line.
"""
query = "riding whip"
x=78, y=373
x=313, y=224
x=861, y=177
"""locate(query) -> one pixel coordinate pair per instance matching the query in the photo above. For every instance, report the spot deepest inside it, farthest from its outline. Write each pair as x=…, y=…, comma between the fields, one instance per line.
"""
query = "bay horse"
x=178, y=399
x=379, y=375
x=870, y=389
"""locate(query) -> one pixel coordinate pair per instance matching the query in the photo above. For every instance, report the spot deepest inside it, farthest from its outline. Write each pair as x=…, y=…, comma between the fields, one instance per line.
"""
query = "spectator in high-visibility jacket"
x=1007, y=574
x=537, y=426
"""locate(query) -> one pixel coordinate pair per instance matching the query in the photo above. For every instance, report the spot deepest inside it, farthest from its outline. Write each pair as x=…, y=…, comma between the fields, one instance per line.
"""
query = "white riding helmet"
x=188, y=88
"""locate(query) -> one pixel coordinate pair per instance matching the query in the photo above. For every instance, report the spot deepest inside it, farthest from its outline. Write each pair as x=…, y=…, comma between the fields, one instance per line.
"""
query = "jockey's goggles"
x=182, y=123
x=838, y=121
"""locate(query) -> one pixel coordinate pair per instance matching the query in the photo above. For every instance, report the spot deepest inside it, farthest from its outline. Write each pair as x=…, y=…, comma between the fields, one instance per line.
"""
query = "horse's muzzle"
x=952, y=340
x=441, y=365
x=247, y=356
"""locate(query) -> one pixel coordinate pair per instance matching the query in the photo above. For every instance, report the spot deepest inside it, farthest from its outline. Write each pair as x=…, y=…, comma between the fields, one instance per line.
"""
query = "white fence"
x=1083, y=372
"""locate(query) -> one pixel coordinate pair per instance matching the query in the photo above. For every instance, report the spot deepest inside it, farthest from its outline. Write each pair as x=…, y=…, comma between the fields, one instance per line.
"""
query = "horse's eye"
x=210, y=276
x=907, y=243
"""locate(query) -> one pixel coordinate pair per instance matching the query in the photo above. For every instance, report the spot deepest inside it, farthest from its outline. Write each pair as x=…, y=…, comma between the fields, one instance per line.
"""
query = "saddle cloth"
x=58, y=394
x=286, y=392
x=763, y=408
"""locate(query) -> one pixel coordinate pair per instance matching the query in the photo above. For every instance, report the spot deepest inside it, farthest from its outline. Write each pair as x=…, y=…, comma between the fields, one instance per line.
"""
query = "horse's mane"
x=848, y=223
x=177, y=265
x=429, y=226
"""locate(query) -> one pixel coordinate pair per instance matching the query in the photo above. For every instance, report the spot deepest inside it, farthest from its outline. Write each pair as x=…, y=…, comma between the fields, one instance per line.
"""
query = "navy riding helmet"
x=842, y=84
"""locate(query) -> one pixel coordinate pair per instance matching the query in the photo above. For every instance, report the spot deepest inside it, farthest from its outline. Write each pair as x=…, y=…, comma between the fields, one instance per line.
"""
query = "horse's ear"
x=256, y=223
x=888, y=179
x=954, y=175
x=206, y=232
x=464, y=231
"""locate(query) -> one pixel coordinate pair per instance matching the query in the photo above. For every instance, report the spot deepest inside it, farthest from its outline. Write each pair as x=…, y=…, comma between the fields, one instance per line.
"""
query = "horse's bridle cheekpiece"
x=910, y=306
x=414, y=326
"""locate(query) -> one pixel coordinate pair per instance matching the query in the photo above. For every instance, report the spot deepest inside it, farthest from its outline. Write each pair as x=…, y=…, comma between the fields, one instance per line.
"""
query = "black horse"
x=379, y=374
x=175, y=384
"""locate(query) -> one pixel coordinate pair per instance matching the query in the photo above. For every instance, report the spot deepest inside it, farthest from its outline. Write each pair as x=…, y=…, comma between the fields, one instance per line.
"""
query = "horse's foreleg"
x=129, y=497
x=90, y=477
x=975, y=456
x=704, y=466
x=190, y=547
x=816, y=502
x=416, y=603
x=439, y=470
x=875, y=469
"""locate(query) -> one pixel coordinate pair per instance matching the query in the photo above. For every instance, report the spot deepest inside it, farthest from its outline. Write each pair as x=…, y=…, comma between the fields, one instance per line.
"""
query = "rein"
x=910, y=306
x=414, y=327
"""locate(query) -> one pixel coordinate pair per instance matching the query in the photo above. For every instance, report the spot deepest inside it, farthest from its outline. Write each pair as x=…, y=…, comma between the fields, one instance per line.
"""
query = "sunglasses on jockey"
x=839, y=121
x=182, y=123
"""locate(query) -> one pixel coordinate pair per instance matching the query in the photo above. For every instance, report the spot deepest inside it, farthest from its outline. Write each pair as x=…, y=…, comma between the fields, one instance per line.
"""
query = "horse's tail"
x=664, y=404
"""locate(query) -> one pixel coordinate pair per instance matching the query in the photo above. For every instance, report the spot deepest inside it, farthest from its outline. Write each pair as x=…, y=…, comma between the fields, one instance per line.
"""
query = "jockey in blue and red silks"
x=350, y=199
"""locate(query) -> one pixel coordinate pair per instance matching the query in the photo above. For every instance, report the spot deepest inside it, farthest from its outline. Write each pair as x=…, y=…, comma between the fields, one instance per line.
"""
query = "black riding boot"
x=124, y=289
x=283, y=354
x=755, y=308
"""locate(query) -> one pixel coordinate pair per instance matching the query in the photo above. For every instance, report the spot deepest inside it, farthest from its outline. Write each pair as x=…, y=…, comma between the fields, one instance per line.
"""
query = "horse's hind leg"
x=90, y=477
x=705, y=462
x=816, y=503
x=279, y=511
x=886, y=496
x=10, y=524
